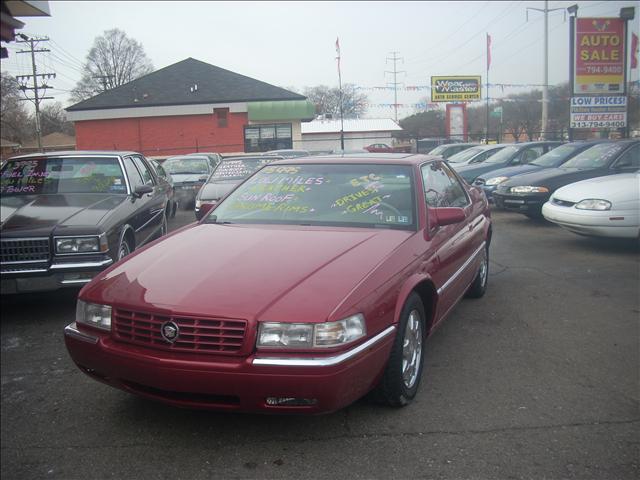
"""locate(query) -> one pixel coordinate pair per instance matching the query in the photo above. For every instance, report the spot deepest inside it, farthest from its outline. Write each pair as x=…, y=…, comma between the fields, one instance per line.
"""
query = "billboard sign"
x=456, y=89
x=599, y=56
x=599, y=112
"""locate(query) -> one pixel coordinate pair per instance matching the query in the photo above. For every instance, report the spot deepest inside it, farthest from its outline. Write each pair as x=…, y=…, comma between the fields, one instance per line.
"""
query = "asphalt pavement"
x=537, y=380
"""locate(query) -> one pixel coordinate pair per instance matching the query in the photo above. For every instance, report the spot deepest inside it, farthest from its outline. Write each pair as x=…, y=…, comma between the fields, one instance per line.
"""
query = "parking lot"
x=538, y=379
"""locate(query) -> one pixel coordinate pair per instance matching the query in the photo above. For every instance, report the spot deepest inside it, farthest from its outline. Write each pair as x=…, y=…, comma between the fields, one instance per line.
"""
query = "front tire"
x=124, y=249
x=401, y=378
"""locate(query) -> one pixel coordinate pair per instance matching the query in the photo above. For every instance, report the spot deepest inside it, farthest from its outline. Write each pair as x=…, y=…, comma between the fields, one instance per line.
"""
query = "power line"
x=395, y=83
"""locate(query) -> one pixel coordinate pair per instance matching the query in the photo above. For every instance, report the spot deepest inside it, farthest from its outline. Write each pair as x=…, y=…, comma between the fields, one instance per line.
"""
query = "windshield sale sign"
x=599, y=56
x=456, y=89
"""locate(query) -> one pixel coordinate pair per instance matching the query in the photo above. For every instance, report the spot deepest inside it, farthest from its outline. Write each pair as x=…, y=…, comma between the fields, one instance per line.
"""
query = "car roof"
x=373, y=158
x=69, y=153
x=253, y=157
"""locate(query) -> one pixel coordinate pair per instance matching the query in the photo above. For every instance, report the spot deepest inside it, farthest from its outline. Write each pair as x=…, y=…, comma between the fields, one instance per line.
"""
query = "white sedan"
x=602, y=207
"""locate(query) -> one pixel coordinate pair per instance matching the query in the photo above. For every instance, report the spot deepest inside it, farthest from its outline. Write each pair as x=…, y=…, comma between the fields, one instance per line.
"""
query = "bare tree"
x=327, y=100
x=114, y=59
x=15, y=121
x=53, y=118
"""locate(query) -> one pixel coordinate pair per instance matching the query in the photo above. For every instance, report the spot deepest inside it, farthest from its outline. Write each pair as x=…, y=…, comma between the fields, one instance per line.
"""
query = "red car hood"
x=300, y=274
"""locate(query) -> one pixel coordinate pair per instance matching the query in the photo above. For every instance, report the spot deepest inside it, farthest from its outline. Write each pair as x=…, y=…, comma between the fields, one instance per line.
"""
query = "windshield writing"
x=594, y=157
x=186, y=165
x=238, y=169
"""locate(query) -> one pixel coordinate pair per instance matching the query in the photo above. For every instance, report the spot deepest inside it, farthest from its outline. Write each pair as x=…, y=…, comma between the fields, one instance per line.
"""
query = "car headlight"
x=98, y=316
x=87, y=244
x=528, y=189
x=311, y=335
x=593, y=204
x=496, y=180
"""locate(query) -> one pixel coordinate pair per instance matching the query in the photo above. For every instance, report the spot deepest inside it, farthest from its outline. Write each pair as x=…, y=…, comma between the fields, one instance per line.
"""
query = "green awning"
x=281, y=110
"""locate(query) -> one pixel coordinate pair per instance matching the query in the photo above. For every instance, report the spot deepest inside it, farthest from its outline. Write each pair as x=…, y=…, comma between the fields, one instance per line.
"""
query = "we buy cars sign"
x=599, y=56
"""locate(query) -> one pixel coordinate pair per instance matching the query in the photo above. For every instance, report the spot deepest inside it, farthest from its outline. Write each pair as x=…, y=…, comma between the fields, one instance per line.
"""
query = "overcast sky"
x=292, y=44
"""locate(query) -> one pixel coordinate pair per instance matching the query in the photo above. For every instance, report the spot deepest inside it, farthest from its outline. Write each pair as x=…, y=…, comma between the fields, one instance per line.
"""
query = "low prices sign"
x=455, y=89
x=599, y=56
x=599, y=112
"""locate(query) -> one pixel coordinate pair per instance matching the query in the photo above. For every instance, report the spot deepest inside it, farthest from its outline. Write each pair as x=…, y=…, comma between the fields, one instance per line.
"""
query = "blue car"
x=554, y=158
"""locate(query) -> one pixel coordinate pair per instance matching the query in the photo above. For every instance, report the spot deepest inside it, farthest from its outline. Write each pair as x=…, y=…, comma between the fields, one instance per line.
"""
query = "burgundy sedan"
x=313, y=283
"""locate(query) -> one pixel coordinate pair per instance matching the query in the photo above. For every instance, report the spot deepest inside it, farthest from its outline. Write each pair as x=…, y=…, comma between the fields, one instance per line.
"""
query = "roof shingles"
x=176, y=85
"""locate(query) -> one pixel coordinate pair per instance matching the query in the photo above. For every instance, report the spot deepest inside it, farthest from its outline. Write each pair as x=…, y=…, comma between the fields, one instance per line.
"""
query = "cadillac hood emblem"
x=169, y=331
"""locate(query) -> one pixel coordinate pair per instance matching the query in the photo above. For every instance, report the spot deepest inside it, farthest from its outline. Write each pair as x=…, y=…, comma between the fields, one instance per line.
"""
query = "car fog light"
x=290, y=401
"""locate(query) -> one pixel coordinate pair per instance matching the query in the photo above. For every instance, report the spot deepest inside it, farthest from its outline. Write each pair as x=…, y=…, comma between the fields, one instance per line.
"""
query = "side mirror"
x=142, y=190
x=449, y=215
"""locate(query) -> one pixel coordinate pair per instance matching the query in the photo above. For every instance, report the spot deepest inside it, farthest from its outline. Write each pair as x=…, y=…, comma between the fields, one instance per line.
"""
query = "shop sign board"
x=599, y=56
x=456, y=89
x=599, y=112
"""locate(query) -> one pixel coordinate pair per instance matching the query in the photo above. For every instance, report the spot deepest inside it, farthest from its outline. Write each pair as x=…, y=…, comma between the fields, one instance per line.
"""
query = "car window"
x=629, y=160
x=442, y=188
x=161, y=171
x=438, y=150
x=144, y=170
x=135, y=178
x=557, y=155
x=464, y=155
x=239, y=168
x=530, y=154
x=355, y=195
x=52, y=175
x=503, y=155
x=598, y=156
x=187, y=165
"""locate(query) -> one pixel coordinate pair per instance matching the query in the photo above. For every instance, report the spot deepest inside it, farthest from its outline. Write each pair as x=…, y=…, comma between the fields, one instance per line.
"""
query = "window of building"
x=221, y=116
x=262, y=138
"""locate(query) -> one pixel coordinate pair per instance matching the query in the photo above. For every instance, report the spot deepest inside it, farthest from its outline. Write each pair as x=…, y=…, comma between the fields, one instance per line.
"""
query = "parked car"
x=602, y=207
x=556, y=157
x=472, y=155
x=528, y=192
x=352, y=151
x=288, y=153
x=214, y=158
x=229, y=173
x=425, y=145
x=384, y=148
x=510, y=155
x=166, y=183
x=189, y=173
x=68, y=215
x=448, y=150
x=321, y=282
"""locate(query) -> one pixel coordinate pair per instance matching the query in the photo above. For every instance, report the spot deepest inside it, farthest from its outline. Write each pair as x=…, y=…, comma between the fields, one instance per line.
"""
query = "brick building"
x=191, y=106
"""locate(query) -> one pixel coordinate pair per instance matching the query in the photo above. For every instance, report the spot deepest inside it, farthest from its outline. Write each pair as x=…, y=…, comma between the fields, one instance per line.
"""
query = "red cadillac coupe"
x=315, y=282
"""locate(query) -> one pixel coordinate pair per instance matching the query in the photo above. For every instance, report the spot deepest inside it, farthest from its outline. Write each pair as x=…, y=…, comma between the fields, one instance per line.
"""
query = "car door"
x=453, y=243
x=157, y=198
x=141, y=218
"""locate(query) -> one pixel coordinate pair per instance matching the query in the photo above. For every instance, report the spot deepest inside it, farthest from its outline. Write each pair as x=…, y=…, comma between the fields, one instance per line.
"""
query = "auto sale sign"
x=599, y=56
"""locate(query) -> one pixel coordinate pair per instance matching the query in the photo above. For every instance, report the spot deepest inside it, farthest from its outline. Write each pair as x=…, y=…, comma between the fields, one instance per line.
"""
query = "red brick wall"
x=158, y=136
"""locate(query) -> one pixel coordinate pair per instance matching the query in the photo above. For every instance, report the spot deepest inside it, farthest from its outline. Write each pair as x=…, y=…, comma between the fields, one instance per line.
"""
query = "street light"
x=573, y=9
x=627, y=13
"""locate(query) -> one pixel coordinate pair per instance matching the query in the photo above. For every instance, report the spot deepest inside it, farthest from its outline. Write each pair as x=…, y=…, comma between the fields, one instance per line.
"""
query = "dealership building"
x=191, y=106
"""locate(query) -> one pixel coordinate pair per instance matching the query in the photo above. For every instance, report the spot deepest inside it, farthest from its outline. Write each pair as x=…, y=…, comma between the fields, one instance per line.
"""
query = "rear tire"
x=479, y=285
x=401, y=378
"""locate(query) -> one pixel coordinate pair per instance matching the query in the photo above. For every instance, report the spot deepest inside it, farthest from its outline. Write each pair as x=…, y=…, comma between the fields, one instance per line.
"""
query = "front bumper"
x=186, y=194
x=58, y=275
x=530, y=203
x=331, y=381
x=595, y=223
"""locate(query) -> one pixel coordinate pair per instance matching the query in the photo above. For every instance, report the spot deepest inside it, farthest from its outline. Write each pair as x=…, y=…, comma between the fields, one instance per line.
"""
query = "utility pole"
x=545, y=84
x=103, y=79
x=395, y=83
x=33, y=43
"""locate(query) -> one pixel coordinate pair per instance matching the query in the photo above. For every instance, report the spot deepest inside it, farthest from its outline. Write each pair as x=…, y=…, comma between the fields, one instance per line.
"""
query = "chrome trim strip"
x=25, y=261
x=76, y=282
x=11, y=239
x=71, y=330
x=471, y=258
x=10, y=272
x=66, y=266
x=150, y=220
x=326, y=361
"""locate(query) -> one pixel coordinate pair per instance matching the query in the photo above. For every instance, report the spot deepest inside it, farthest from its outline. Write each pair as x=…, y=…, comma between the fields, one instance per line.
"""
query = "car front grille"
x=562, y=203
x=196, y=334
x=24, y=250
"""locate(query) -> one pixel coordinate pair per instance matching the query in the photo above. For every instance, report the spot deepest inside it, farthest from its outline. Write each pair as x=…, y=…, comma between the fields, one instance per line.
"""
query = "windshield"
x=187, y=165
x=439, y=150
x=597, y=156
x=502, y=156
x=239, y=169
x=360, y=195
x=558, y=155
x=465, y=155
x=62, y=175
